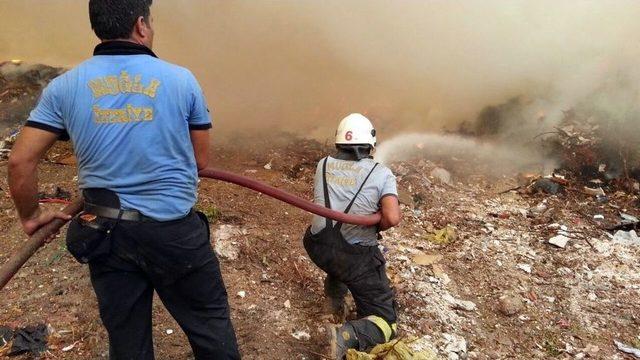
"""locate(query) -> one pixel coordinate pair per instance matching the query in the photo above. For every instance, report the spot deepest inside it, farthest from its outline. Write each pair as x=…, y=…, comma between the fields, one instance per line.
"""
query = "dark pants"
x=176, y=260
x=359, y=269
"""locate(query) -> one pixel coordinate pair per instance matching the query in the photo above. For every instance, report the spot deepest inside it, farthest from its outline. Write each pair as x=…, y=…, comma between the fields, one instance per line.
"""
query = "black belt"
x=112, y=213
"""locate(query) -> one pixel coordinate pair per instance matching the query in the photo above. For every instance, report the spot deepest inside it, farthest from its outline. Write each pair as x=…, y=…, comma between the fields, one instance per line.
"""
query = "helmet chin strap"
x=353, y=152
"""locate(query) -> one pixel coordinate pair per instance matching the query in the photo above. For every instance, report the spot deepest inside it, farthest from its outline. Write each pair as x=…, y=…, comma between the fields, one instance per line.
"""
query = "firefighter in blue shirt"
x=140, y=131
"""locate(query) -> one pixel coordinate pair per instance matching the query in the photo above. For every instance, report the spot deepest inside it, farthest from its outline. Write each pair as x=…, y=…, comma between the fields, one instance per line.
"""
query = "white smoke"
x=499, y=158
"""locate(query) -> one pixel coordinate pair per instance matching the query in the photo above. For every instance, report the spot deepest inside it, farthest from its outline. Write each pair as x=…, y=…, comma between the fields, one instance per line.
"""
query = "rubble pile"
x=585, y=148
x=528, y=272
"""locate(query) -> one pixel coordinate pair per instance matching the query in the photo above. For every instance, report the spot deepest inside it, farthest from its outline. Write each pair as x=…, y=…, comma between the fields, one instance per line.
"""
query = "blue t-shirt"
x=129, y=117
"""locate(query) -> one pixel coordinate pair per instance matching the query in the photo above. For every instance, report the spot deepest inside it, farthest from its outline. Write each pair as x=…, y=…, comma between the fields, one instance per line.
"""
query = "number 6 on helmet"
x=356, y=129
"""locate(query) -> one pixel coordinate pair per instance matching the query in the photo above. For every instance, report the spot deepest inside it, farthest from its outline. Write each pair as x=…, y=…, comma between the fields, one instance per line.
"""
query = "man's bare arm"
x=29, y=148
x=391, y=214
x=200, y=140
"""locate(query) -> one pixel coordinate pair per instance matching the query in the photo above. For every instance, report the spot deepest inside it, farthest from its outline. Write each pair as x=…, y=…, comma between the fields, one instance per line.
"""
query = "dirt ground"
x=496, y=291
x=489, y=286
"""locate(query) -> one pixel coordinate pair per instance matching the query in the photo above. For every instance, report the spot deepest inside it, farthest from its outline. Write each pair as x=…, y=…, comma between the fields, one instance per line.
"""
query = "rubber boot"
x=341, y=339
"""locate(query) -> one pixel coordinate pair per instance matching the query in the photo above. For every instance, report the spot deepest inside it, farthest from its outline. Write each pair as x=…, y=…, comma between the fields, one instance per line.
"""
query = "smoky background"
x=411, y=66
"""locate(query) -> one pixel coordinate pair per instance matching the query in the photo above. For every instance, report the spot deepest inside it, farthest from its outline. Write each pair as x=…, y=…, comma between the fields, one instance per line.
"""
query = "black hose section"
x=365, y=220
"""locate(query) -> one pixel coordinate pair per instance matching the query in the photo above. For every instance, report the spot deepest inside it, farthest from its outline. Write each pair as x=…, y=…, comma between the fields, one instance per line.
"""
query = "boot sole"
x=332, y=338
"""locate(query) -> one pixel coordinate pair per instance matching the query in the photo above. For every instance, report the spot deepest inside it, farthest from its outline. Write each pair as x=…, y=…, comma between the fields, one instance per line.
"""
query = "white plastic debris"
x=627, y=349
x=301, y=335
x=287, y=304
x=224, y=239
x=559, y=241
x=525, y=267
x=626, y=238
x=598, y=217
x=242, y=294
x=455, y=346
x=539, y=209
x=69, y=347
x=459, y=304
x=267, y=166
x=169, y=331
x=629, y=218
x=594, y=192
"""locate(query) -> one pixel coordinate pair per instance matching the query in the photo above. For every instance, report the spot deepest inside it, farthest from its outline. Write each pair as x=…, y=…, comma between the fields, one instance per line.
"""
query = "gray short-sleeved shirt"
x=344, y=178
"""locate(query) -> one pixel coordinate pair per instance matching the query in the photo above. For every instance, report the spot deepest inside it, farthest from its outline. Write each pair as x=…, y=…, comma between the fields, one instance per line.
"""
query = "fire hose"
x=38, y=239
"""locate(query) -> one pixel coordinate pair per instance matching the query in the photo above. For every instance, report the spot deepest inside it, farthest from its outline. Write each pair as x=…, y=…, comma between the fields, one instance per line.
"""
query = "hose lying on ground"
x=37, y=240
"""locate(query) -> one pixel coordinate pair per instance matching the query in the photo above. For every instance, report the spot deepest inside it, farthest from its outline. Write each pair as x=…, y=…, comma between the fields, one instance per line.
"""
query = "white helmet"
x=356, y=129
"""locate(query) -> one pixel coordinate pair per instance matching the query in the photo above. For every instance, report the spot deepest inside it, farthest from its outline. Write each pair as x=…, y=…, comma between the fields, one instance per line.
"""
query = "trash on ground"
x=525, y=267
x=559, y=241
x=31, y=339
x=301, y=335
x=627, y=349
x=393, y=350
x=6, y=334
x=626, y=238
x=627, y=223
x=69, y=347
x=443, y=236
x=626, y=218
x=224, y=241
x=459, y=304
x=547, y=186
x=593, y=192
x=455, y=346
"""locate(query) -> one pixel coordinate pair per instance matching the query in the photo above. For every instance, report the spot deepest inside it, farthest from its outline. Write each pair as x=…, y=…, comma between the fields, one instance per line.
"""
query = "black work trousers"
x=176, y=260
x=361, y=270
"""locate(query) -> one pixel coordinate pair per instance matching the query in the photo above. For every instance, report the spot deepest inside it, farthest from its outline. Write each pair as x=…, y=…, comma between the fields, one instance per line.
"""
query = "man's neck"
x=131, y=40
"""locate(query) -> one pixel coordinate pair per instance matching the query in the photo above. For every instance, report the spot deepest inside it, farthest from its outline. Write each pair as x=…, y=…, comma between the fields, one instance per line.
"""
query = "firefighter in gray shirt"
x=352, y=182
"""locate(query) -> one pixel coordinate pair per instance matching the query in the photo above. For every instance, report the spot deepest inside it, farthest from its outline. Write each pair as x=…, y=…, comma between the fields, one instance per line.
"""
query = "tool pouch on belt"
x=89, y=237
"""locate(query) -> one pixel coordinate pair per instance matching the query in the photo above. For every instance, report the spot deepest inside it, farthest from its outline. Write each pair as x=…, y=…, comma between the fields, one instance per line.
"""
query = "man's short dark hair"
x=115, y=19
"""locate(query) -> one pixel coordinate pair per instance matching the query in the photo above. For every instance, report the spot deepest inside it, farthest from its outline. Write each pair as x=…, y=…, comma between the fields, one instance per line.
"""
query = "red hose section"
x=365, y=220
